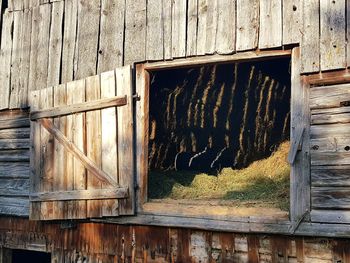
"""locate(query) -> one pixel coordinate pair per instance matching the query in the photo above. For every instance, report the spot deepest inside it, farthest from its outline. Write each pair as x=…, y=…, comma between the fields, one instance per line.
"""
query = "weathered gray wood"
x=109, y=139
x=110, y=54
x=330, y=216
x=55, y=44
x=330, y=158
x=348, y=33
x=5, y=59
x=69, y=37
x=39, y=52
x=247, y=24
x=76, y=152
x=332, y=38
x=87, y=38
x=14, y=123
x=135, y=31
x=226, y=29
x=14, y=206
x=295, y=144
x=16, y=59
x=329, y=96
x=202, y=26
x=154, y=41
x=329, y=116
x=25, y=62
x=14, y=170
x=300, y=169
x=125, y=139
x=212, y=22
x=270, y=34
x=14, y=187
x=329, y=130
x=178, y=16
x=332, y=144
x=79, y=107
x=14, y=133
x=330, y=176
x=14, y=156
x=12, y=144
x=167, y=36
x=310, y=44
x=330, y=197
x=192, y=21
x=292, y=21
x=91, y=194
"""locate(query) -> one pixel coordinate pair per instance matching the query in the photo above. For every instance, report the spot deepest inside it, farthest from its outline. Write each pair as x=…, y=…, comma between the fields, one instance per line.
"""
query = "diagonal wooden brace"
x=77, y=153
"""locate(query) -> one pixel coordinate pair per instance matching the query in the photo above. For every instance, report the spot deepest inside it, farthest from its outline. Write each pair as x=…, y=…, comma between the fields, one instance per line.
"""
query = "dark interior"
x=20, y=256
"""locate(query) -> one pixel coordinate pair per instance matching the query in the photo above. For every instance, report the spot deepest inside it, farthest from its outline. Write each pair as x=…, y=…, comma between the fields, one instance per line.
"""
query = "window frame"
x=146, y=212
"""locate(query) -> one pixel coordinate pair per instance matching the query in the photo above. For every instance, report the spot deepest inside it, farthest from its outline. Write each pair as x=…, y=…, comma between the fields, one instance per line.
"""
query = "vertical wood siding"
x=69, y=40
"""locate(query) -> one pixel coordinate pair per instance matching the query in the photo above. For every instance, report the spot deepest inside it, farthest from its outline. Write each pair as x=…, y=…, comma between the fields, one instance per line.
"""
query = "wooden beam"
x=79, y=107
x=91, y=194
x=295, y=144
x=329, y=78
x=69, y=146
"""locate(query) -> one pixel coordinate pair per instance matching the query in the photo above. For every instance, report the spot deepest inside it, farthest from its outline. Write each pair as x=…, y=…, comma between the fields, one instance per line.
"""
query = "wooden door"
x=82, y=148
x=330, y=153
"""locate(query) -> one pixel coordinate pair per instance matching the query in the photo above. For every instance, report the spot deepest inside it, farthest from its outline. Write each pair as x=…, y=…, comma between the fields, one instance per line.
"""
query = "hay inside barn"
x=214, y=131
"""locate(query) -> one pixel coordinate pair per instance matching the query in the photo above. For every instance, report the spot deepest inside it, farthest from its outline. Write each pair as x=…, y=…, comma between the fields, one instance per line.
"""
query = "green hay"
x=265, y=183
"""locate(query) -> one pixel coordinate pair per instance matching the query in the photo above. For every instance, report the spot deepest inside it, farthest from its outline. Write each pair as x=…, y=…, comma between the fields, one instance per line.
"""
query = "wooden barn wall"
x=95, y=242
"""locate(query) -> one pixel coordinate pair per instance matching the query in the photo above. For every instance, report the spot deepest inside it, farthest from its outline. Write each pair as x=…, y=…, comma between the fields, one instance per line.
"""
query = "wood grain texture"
x=125, y=139
x=109, y=138
x=292, y=21
x=14, y=187
x=15, y=170
x=330, y=198
x=247, y=24
x=110, y=53
x=330, y=216
x=167, y=25
x=331, y=116
x=5, y=58
x=69, y=39
x=202, y=26
x=85, y=58
x=226, y=34
x=178, y=28
x=329, y=96
x=212, y=22
x=332, y=38
x=310, y=44
x=192, y=21
x=270, y=24
x=55, y=44
x=331, y=176
x=154, y=40
x=135, y=31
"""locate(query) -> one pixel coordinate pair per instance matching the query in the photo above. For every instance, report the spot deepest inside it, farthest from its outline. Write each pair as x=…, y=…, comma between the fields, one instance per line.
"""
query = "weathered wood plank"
x=14, y=206
x=297, y=139
x=212, y=21
x=18, y=133
x=14, y=123
x=247, y=24
x=332, y=38
x=310, y=44
x=109, y=139
x=14, y=155
x=93, y=142
x=14, y=187
x=25, y=62
x=91, y=194
x=16, y=59
x=331, y=116
x=69, y=37
x=226, y=29
x=110, y=54
x=35, y=160
x=192, y=21
x=39, y=52
x=330, y=158
x=15, y=170
x=12, y=144
x=46, y=155
x=87, y=38
x=348, y=33
x=178, y=16
x=329, y=130
x=330, y=197
x=5, y=58
x=331, y=144
x=55, y=44
x=79, y=107
x=59, y=183
x=329, y=96
x=202, y=26
x=135, y=31
x=167, y=35
x=330, y=216
x=270, y=34
x=330, y=176
x=292, y=21
x=154, y=41
x=125, y=137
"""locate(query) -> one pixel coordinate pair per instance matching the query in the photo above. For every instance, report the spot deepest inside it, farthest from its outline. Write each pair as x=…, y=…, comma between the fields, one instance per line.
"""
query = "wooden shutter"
x=330, y=153
x=82, y=148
